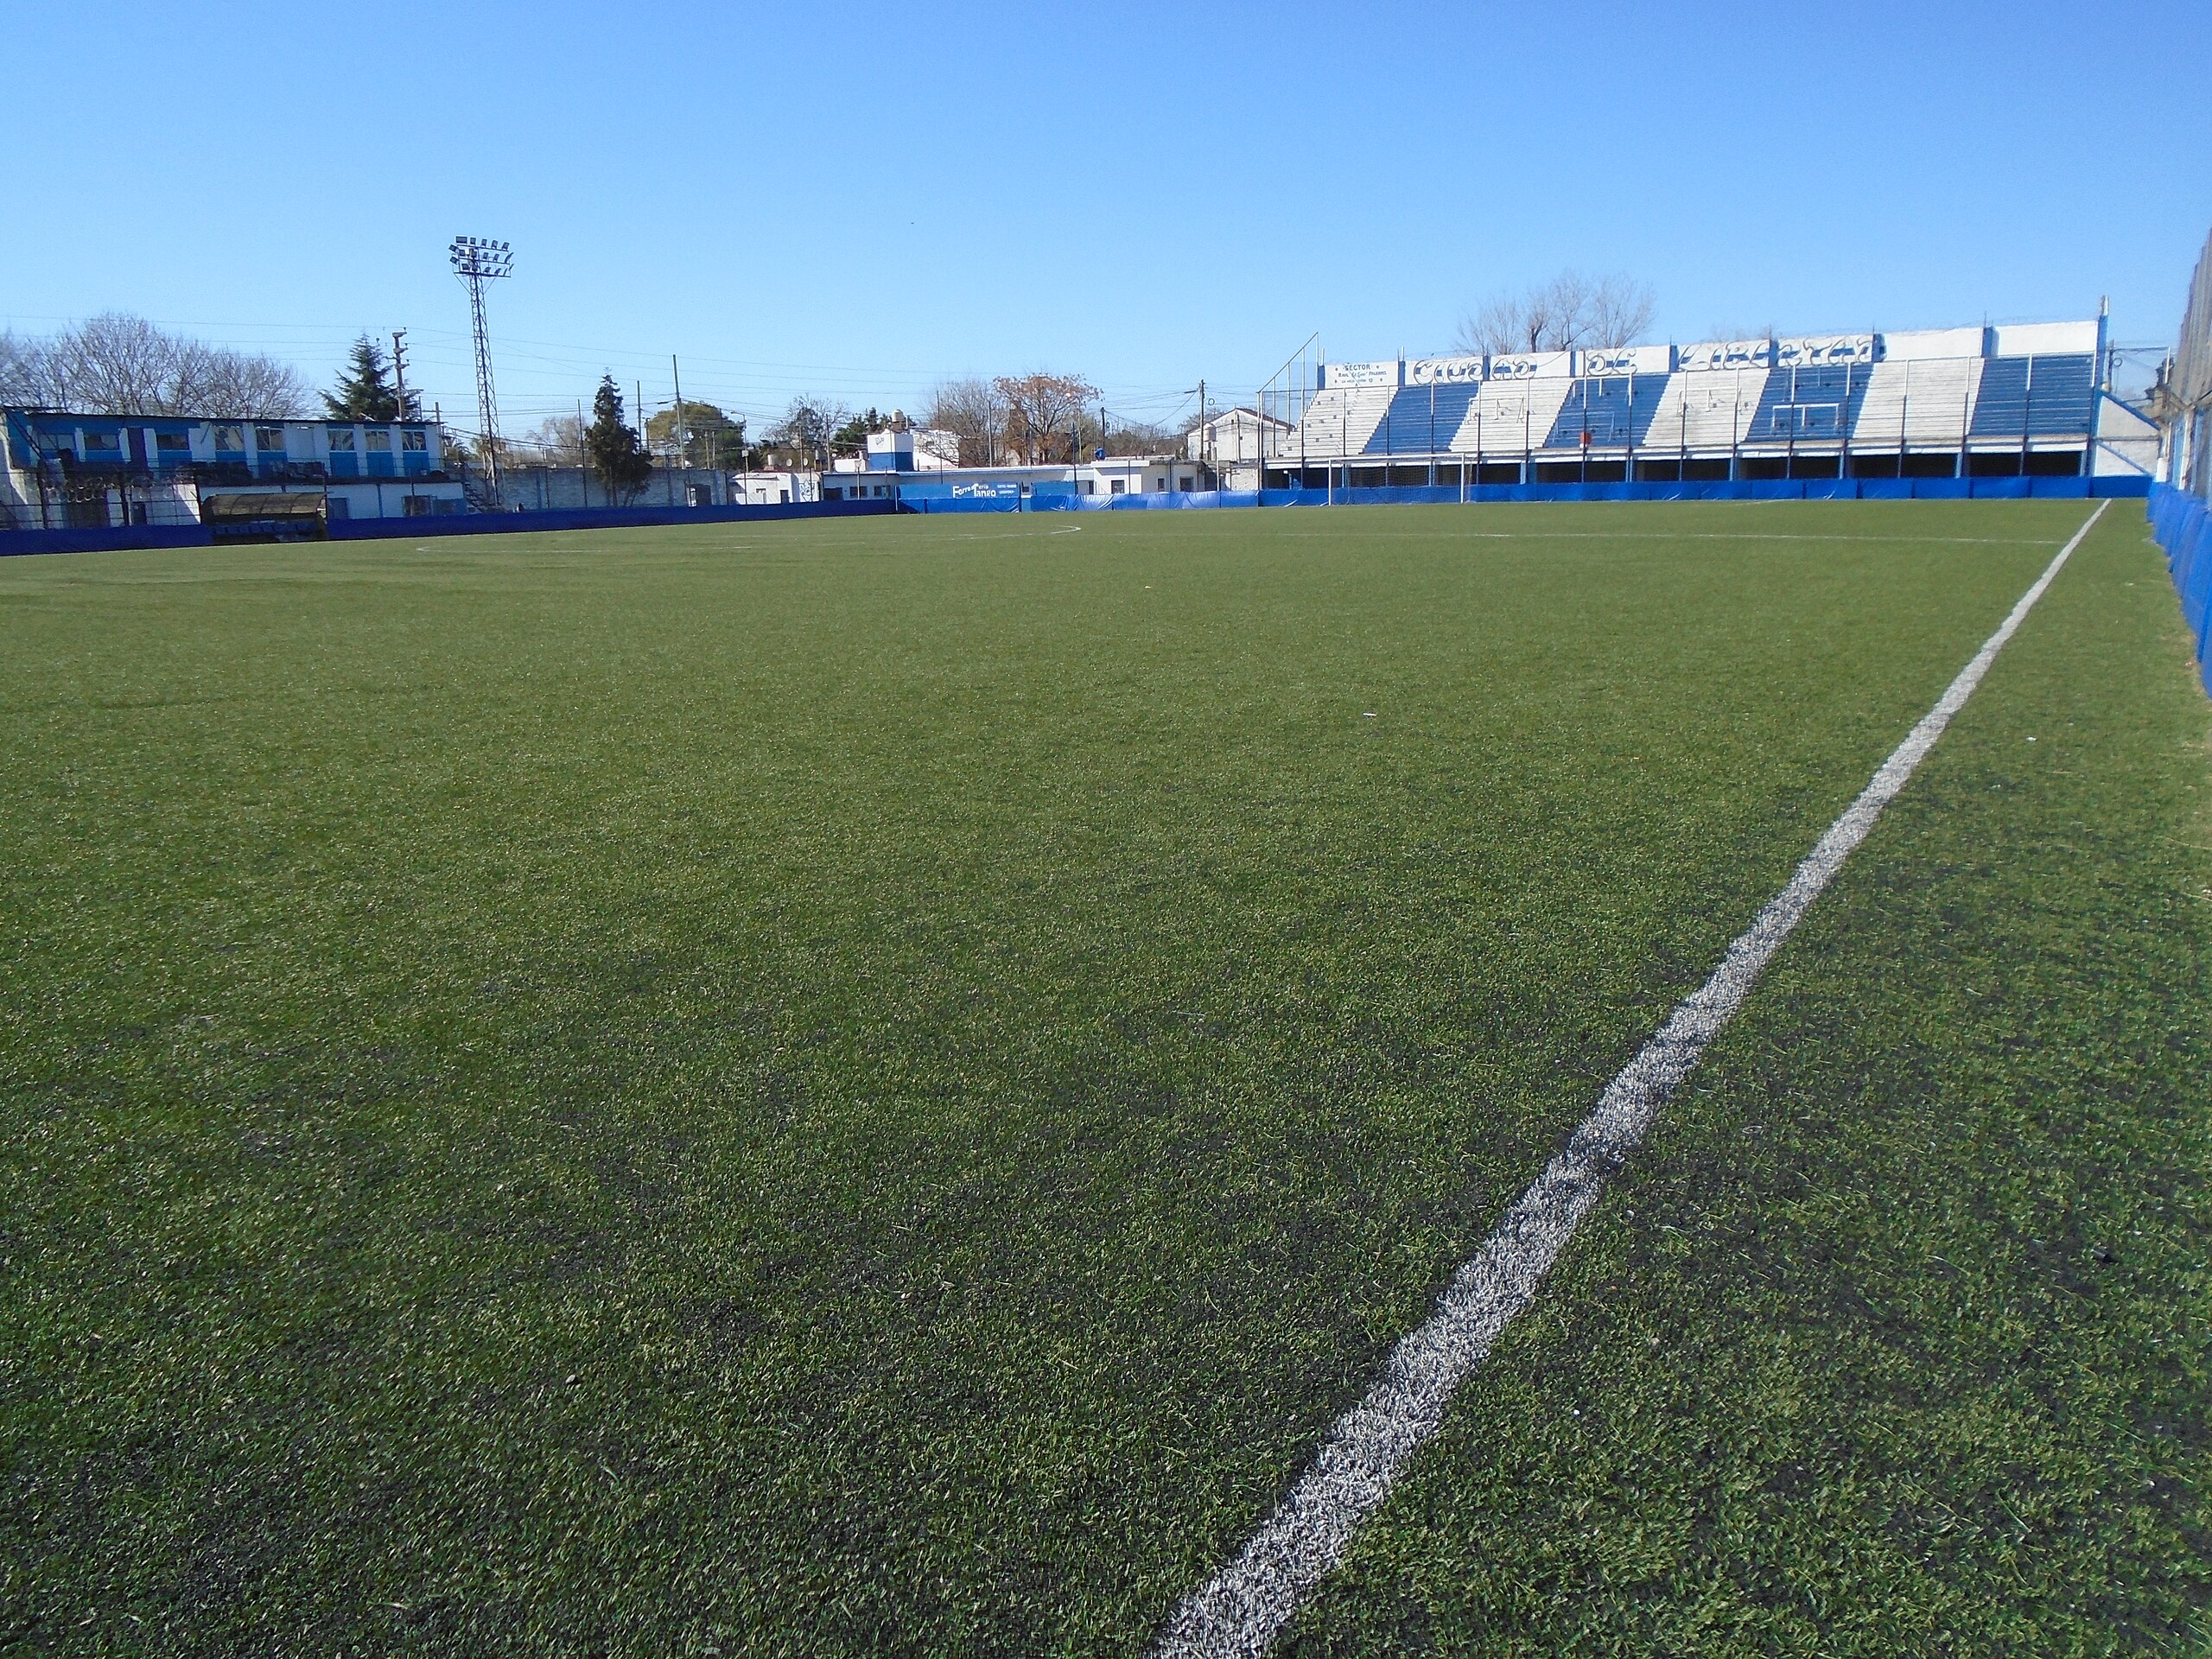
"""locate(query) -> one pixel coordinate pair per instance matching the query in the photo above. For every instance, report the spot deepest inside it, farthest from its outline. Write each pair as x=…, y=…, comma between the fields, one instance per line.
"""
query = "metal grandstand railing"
x=1288, y=396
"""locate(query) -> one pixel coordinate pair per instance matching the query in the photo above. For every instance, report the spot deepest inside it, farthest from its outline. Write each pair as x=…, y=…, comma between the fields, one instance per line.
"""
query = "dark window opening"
x=1937, y=465
x=1874, y=467
x=2055, y=463
x=1816, y=467
x=2004, y=464
x=1705, y=470
x=1764, y=466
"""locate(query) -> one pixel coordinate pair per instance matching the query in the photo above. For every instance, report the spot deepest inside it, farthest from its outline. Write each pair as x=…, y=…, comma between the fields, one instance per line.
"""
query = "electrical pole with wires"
x=677, y=458
x=399, y=372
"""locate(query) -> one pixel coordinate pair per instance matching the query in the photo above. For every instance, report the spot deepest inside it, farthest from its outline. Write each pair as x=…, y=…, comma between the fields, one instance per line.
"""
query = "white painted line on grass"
x=1241, y=1609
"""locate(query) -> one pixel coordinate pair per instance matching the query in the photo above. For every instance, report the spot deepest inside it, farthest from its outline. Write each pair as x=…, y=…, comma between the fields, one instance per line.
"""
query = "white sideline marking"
x=1240, y=1611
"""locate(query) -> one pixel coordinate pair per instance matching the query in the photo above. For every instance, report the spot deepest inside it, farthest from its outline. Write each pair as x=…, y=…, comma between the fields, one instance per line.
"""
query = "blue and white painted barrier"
x=118, y=538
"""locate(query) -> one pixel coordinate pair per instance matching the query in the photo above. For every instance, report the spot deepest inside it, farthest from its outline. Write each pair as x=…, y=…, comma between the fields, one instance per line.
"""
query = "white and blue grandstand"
x=2023, y=401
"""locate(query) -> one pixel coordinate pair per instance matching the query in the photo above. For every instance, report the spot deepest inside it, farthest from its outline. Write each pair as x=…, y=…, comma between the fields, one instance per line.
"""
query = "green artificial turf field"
x=874, y=1086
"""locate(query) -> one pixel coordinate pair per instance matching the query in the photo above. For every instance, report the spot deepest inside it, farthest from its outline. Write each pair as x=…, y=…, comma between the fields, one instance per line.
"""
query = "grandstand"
x=2017, y=401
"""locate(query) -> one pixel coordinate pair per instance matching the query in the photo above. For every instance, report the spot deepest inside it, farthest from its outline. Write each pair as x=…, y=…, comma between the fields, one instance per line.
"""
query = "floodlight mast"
x=477, y=262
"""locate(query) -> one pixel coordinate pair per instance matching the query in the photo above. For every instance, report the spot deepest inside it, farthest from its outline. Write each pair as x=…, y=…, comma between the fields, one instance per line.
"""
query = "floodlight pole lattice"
x=477, y=262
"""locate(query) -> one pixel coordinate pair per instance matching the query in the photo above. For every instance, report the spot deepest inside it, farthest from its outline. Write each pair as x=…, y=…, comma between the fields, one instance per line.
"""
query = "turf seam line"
x=1241, y=1609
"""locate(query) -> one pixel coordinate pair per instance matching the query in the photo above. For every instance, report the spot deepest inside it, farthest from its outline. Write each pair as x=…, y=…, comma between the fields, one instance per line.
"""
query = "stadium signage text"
x=1362, y=374
x=1626, y=359
x=1443, y=370
x=1839, y=348
x=1727, y=354
x=1539, y=365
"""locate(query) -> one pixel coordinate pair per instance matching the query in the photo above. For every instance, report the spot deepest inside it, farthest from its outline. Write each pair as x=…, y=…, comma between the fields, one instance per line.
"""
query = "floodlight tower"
x=477, y=262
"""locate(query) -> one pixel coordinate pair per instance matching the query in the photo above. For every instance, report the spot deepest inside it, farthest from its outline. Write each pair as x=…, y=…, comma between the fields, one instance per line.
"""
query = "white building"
x=1235, y=437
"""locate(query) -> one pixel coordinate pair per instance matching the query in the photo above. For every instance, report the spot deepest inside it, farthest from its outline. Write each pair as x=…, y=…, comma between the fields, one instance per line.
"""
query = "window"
x=341, y=506
x=271, y=438
x=379, y=441
x=230, y=437
x=341, y=438
x=172, y=443
x=1089, y=486
x=415, y=506
x=98, y=438
x=1117, y=487
x=1186, y=483
x=414, y=440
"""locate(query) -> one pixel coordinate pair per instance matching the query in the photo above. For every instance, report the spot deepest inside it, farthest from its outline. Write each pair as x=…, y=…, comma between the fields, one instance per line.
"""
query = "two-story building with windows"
x=92, y=471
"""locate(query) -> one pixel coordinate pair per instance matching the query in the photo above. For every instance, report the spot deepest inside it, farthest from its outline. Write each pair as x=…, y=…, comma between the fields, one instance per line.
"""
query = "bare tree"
x=1569, y=312
x=119, y=365
x=808, y=424
x=973, y=410
x=1042, y=410
x=556, y=441
x=246, y=386
x=27, y=372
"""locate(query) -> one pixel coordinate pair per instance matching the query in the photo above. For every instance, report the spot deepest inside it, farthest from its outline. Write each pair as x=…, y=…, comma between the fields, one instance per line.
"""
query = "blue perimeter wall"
x=460, y=523
x=2183, y=524
x=488, y=523
x=1830, y=489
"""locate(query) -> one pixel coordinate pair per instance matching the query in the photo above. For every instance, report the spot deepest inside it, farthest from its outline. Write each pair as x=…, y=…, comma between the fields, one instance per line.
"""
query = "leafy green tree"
x=365, y=391
x=618, y=460
x=710, y=437
x=852, y=437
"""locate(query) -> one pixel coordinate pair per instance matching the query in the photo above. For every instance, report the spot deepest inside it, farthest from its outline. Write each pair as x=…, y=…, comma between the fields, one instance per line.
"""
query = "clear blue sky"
x=857, y=199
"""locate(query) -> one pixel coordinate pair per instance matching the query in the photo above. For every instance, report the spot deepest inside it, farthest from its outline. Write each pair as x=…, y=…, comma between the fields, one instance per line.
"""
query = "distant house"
x=97, y=471
x=1236, y=437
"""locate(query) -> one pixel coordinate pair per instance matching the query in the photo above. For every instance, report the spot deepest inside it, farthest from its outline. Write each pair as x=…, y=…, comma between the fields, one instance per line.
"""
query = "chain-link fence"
x=2183, y=394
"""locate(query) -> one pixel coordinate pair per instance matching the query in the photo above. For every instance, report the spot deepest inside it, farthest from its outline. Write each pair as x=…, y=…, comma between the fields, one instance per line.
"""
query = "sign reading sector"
x=1360, y=374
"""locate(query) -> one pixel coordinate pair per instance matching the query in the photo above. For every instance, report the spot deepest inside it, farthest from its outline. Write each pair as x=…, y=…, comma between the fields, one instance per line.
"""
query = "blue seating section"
x=2029, y=397
x=1917, y=399
x=1423, y=420
x=1819, y=405
x=1615, y=410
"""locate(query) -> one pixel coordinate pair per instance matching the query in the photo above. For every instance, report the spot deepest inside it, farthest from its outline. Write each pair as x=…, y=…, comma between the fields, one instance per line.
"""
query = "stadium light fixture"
x=477, y=261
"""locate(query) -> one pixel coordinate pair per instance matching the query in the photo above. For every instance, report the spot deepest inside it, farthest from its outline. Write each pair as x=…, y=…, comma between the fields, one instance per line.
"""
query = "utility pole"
x=676, y=431
x=399, y=369
x=477, y=262
x=583, y=456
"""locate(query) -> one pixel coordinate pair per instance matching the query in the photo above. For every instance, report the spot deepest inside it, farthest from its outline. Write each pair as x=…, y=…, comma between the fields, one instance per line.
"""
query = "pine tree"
x=618, y=460
x=365, y=390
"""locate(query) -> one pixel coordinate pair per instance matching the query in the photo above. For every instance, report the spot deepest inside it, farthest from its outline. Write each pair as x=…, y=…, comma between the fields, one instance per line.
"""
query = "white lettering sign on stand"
x=1344, y=375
